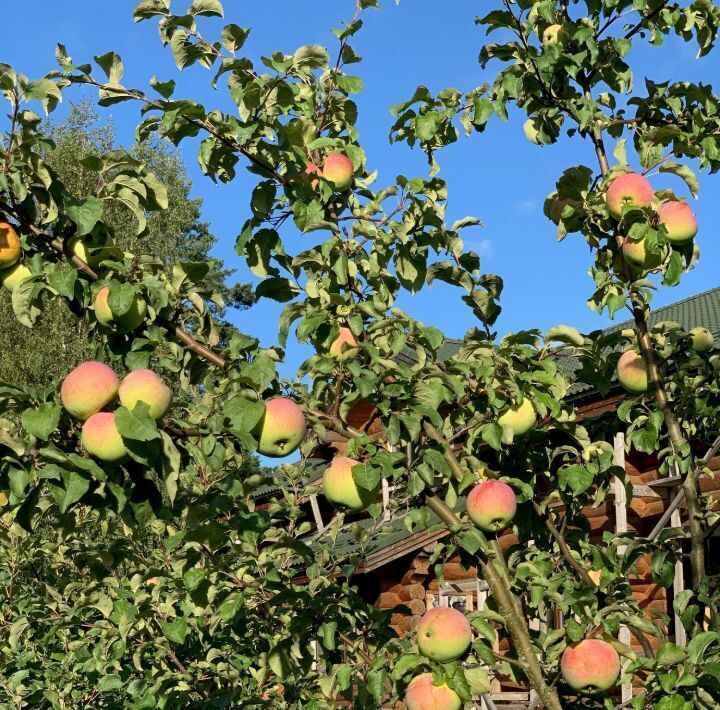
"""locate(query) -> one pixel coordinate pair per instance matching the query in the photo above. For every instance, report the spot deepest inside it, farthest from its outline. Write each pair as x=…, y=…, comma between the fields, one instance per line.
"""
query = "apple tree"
x=138, y=570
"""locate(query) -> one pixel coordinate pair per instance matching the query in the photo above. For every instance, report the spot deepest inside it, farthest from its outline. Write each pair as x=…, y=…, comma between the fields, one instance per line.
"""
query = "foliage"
x=59, y=340
x=162, y=582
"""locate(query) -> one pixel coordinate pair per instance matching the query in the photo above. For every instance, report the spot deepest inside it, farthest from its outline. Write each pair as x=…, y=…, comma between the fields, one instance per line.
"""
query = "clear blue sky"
x=497, y=176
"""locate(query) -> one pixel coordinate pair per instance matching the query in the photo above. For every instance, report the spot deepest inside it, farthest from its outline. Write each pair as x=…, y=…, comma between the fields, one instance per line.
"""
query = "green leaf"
x=112, y=65
x=176, y=631
x=471, y=540
x=366, y=476
x=75, y=487
x=150, y=8
x=121, y=298
x=192, y=578
x=406, y=662
x=244, y=414
x=670, y=654
x=23, y=302
x=478, y=680
x=136, y=425
x=233, y=37
x=576, y=477
x=685, y=174
x=311, y=56
x=63, y=281
x=492, y=435
x=564, y=334
x=85, y=213
x=43, y=421
x=700, y=643
x=208, y=8
x=109, y=682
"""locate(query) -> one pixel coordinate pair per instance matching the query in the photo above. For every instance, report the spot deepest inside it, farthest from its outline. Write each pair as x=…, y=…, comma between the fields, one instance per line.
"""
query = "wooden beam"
x=621, y=527
x=316, y=514
x=678, y=584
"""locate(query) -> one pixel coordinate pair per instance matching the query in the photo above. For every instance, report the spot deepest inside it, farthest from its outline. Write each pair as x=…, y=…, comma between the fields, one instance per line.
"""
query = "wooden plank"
x=400, y=549
x=316, y=514
x=621, y=526
x=678, y=585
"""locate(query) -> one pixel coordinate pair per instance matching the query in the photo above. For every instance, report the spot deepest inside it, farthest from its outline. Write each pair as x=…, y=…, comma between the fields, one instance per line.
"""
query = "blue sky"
x=497, y=176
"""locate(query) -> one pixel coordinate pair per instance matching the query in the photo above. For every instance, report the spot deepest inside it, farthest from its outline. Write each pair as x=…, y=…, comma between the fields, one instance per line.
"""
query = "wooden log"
x=647, y=507
x=417, y=606
x=404, y=626
x=388, y=600
x=454, y=571
x=709, y=485
x=396, y=619
x=411, y=591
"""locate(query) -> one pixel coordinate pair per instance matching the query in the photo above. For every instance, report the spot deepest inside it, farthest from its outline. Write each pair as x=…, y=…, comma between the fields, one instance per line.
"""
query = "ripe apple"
x=344, y=347
x=491, y=505
x=338, y=170
x=444, y=634
x=678, y=220
x=145, y=386
x=340, y=488
x=88, y=388
x=10, y=249
x=632, y=372
x=281, y=429
x=101, y=439
x=636, y=253
x=590, y=666
x=628, y=190
x=423, y=694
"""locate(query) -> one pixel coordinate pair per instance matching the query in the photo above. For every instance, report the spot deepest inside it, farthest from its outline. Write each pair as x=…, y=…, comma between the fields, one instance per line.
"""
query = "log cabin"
x=394, y=567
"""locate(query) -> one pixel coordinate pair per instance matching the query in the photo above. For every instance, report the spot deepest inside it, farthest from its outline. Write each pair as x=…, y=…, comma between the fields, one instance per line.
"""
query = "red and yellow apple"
x=637, y=254
x=124, y=323
x=679, y=221
x=344, y=346
x=338, y=170
x=491, y=505
x=12, y=277
x=340, y=488
x=628, y=190
x=520, y=418
x=281, y=429
x=632, y=372
x=590, y=666
x=10, y=249
x=444, y=634
x=88, y=388
x=423, y=694
x=701, y=339
x=101, y=439
x=145, y=386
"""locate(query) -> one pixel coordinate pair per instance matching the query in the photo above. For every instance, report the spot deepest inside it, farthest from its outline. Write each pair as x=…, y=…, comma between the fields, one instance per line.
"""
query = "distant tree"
x=59, y=340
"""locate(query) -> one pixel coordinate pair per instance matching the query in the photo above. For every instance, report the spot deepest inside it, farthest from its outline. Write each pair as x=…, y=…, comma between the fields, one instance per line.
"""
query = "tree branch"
x=508, y=607
x=173, y=328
